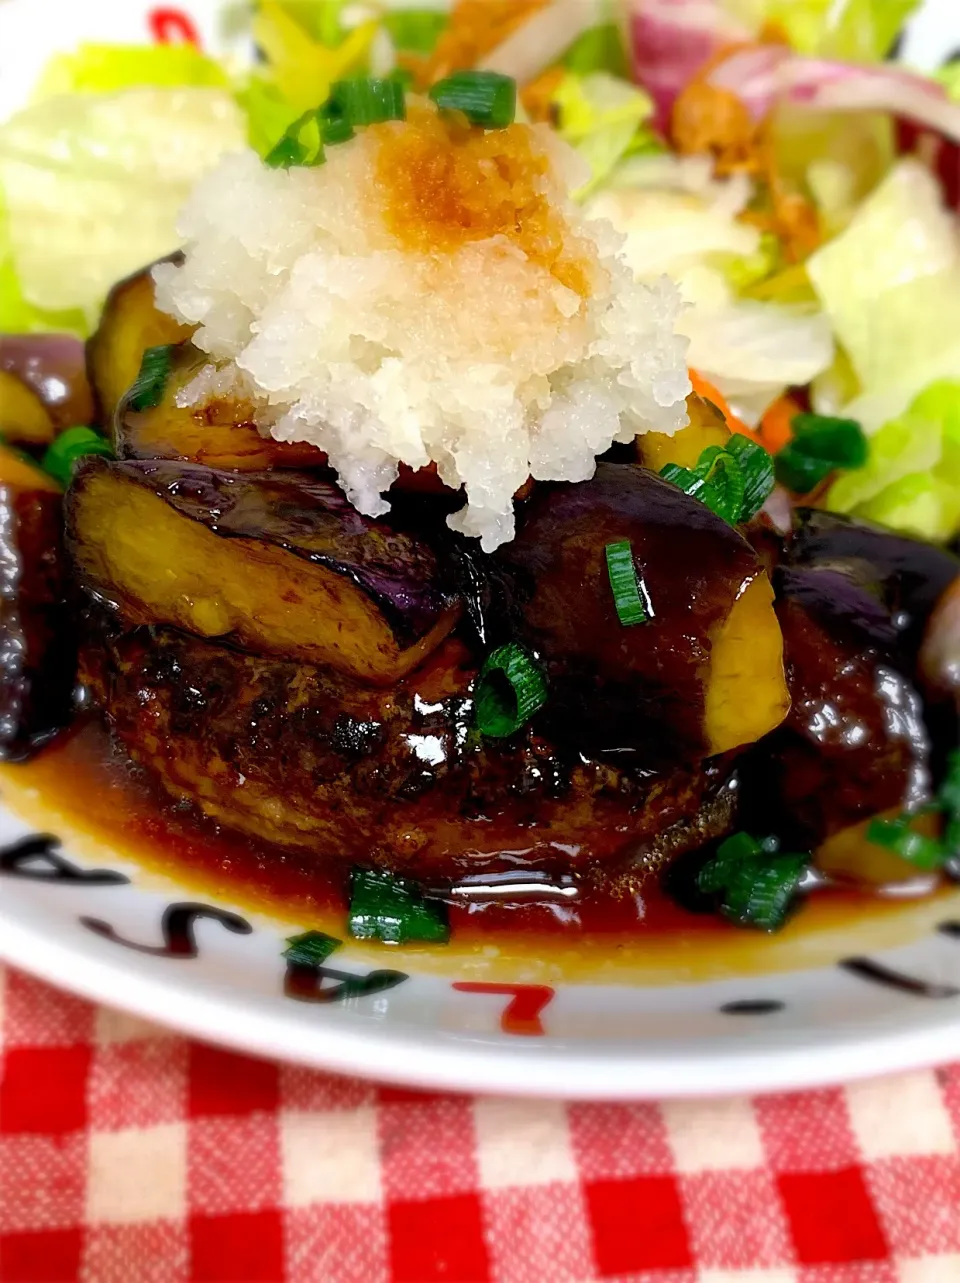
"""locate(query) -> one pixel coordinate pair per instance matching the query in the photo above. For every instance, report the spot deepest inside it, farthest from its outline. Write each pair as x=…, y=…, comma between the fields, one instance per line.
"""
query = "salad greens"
x=814, y=251
x=111, y=131
x=890, y=286
x=863, y=30
x=606, y=120
x=911, y=478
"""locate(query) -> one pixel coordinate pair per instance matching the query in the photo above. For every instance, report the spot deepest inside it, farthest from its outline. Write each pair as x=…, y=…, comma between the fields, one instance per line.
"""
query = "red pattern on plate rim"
x=173, y=26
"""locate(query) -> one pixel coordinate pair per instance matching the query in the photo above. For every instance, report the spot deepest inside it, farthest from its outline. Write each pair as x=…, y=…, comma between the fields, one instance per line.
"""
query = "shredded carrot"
x=704, y=388
x=776, y=426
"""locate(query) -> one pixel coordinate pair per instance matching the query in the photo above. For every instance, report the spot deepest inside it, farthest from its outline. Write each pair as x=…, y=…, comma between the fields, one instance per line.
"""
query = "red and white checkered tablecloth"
x=128, y=1155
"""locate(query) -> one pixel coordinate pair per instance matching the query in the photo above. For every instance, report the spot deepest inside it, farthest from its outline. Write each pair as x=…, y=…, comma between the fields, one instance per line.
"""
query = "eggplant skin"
x=131, y=322
x=855, y=744
x=279, y=562
x=305, y=758
x=53, y=368
x=887, y=576
x=645, y=691
x=37, y=634
x=220, y=433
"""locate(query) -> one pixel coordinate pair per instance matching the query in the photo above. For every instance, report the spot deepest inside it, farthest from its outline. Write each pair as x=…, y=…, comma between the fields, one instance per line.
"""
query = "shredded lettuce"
x=321, y=20
x=605, y=119
x=17, y=316
x=890, y=284
x=839, y=158
x=601, y=48
x=109, y=69
x=861, y=30
x=93, y=184
x=911, y=481
x=949, y=77
x=677, y=219
x=302, y=66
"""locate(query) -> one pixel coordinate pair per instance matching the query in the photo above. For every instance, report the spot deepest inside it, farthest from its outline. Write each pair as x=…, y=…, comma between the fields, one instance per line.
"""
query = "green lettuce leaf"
x=93, y=184
x=911, y=480
x=17, y=316
x=600, y=48
x=108, y=69
x=303, y=60
x=605, y=119
x=949, y=77
x=890, y=285
x=858, y=30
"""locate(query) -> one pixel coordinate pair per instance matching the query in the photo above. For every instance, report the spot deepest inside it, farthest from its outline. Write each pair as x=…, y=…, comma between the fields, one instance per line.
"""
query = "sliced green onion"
x=510, y=689
x=761, y=893
x=923, y=852
x=415, y=30
x=485, y=97
x=301, y=144
x=76, y=443
x=393, y=910
x=756, y=465
x=724, y=486
x=684, y=478
x=756, y=884
x=821, y=444
x=285, y=154
x=951, y=838
x=336, y=130
x=310, y=949
x=949, y=794
x=365, y=100
x=717, y=481
x=632, y=608
x=730, y=854
x=402, y=77
x=155, y=366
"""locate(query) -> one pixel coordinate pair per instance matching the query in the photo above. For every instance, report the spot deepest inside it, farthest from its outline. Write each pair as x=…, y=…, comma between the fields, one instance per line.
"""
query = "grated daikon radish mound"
x=429, y=294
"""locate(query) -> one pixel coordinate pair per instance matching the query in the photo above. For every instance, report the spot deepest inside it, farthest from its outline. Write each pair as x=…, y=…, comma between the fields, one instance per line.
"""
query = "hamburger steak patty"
x=304, y=757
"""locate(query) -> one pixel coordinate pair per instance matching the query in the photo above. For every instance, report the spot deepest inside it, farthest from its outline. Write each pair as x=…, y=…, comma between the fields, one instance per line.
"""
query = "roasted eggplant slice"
x=703, y=675
x=888, y=575
x=220, y=433
x=131, y=322
x=856, y=745
x=707, y=427
x=43, y=387
x=940, y=652
x=278, y=562
x=37, y=638
x=307, y=758
x=859, y=743
x=24, y=418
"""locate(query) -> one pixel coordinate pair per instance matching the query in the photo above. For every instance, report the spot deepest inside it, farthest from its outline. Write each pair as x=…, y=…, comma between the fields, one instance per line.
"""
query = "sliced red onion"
x=763, y=75
x=779, y=509
x=671, y=40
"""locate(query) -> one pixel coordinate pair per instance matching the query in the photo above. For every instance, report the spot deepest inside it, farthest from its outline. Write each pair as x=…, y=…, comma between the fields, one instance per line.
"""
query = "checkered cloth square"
x=129, y=1155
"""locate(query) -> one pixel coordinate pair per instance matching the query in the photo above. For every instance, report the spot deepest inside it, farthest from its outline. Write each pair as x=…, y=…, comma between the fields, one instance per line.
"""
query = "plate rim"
x=474, y=1064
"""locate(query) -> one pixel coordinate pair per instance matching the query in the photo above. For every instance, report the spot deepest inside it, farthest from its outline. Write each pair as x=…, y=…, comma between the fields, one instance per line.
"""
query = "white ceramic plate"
x=829, y=999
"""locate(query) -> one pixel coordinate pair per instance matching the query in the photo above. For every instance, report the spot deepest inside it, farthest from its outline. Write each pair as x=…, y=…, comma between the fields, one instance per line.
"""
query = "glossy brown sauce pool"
x=82, y=788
